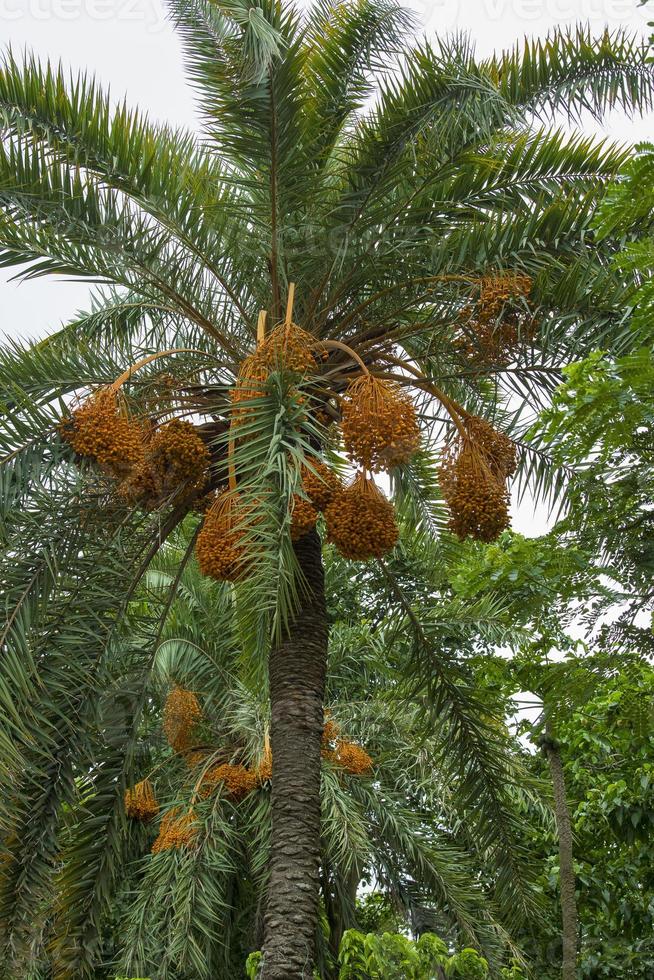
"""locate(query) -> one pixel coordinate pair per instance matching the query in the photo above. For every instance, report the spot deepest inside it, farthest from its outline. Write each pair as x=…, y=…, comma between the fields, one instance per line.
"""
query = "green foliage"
x=609, y=771
x=253, y=965
x=601, y=407
x=467, y=964
x=513, y=972
x=374, y=913
x=626, y=215
x=610, y=765
x=396, y=957
x=538, y=577
x=602, y=423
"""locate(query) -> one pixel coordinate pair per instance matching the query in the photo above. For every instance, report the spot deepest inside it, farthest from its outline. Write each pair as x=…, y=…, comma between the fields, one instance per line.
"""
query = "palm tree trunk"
x=297, y=669
x=566, y=859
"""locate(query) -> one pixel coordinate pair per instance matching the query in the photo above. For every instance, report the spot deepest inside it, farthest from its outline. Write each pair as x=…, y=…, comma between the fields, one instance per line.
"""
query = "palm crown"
x=397, y=212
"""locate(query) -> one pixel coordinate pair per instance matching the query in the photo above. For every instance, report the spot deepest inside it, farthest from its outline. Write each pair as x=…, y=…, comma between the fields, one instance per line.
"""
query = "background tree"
x=592, y=694
x=443, y=228
x=607, y=758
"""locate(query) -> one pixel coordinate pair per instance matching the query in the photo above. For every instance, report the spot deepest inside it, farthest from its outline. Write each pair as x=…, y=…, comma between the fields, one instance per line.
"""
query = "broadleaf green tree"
x=593, y=704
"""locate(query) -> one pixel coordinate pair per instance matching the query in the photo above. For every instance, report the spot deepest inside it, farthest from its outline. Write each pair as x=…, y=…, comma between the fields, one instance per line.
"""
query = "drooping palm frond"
x=60, y=629
x=418, y=499
x=97, y=842
x=397, y=843
x=472, y=752
x=573, y=72
x=184, y=900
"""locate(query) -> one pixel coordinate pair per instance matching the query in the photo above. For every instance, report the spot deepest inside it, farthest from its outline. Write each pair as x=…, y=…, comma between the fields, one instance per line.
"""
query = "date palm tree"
x=388, y=180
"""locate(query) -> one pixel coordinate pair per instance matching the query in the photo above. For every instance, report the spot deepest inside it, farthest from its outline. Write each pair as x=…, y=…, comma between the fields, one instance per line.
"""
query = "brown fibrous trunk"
x=297, y=669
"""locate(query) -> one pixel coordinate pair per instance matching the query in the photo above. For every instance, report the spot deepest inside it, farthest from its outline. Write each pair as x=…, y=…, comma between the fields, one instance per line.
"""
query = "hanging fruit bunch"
x=223, y=549
x=175, y=458
x=290, y=347
x=361, y=521
x=140, y=802
x=287, y=346
x=341, y=752
x=182, y=715
x=380, y=431
x=151, y=465
x=101, y=429
x=497, y=290
x=494, y=327
x=177, y=830
x=499, y=450
x=379, y=423
x=350, y=757
x=473, y=477
x=235, y=781
x=320, y=485
x=303, y=517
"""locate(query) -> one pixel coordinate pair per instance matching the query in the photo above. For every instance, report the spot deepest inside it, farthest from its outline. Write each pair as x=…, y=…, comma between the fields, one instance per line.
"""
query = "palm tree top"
x=385, y=177
x=401, y=202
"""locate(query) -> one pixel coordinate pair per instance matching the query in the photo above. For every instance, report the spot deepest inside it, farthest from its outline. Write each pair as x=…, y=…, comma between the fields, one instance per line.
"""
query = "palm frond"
x=483, y=766
x=347, y=45
x=62, y=643
x=573, y=72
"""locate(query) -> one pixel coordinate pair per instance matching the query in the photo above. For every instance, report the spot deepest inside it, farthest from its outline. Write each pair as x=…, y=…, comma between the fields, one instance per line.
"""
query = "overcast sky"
x=132, y=49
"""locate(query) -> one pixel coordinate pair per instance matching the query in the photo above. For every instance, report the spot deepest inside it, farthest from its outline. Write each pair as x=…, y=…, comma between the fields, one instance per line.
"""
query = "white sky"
x=131, y=48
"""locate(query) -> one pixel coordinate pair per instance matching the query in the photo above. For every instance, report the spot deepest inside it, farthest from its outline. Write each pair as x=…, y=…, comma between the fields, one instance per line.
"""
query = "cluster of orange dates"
x=150, y=465
x=177, y=829
x=343, y=753
x=473, y=477
x=494, y=327
x=182, y=717
x=380, y=431
x=140, y=801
